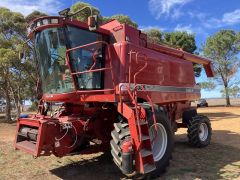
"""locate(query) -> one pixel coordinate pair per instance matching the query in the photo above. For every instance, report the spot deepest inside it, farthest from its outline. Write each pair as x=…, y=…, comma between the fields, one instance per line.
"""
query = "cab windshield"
x=50, y=47
x=50, y=52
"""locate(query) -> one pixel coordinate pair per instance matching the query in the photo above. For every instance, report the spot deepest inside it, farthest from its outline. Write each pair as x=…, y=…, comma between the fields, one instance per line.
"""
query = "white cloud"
x=176, y=13
x=145, y=28
x=198, y=30
x=228, y=18
x=231, y=17
x=167, y=7
x=28, y=6
x=187, y=28
x=199, y=15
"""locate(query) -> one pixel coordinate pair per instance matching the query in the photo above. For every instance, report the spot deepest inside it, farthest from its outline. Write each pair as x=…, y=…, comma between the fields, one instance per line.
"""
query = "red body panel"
x=168, y=66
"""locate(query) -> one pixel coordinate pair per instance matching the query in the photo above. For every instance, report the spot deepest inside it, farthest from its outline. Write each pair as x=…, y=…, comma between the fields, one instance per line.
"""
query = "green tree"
x=16, y=76
x=12, y=30
x=82, y=16
x=232, y=91
x=34, y=15
x=186, y=42
x=154, y=35
x=223, y=48
x=122, y=19
x=208, y=85
x=181, y=40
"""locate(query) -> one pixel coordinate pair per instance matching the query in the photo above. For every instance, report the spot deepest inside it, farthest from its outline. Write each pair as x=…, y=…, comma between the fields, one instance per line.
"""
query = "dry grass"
x=220, y=160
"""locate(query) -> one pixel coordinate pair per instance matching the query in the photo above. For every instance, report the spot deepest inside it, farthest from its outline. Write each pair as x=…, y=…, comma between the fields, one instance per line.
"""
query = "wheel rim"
x=203, y=131
x=158, y=140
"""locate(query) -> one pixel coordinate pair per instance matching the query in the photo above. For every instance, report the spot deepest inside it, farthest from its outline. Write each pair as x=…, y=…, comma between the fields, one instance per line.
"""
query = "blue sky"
x=202, y=17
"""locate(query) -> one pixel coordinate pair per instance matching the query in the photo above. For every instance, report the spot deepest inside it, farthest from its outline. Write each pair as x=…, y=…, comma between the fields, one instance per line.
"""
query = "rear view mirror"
x=92, y=22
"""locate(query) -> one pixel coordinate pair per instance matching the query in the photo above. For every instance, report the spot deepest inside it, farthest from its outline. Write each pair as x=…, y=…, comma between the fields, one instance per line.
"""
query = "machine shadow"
x=99, y=168
x=220, y=160
x=212, y=162
x=215, y=116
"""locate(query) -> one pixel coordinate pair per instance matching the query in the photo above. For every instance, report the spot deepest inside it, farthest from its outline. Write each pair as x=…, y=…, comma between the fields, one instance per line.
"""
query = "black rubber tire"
x=193, y=131
x=120, y=132
x=161, y=117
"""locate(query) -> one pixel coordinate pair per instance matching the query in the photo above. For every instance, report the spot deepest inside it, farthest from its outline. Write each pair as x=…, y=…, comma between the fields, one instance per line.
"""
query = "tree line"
x=18, y=77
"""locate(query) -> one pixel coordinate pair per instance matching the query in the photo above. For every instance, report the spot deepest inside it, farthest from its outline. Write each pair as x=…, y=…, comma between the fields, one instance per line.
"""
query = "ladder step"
x=145, y=153
x=144, y=137
x=149, y=168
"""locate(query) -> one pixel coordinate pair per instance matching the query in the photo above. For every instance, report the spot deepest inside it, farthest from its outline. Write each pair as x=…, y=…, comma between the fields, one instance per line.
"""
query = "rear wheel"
x=199, y=131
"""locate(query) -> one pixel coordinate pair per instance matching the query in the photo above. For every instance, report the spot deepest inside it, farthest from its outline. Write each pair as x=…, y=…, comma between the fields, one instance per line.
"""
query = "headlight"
x=45, y=21
x=54, y=21
x=39, y=23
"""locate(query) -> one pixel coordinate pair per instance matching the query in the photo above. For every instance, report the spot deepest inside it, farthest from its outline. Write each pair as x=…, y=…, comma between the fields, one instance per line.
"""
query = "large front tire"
x=119, y=134
x=162, y=145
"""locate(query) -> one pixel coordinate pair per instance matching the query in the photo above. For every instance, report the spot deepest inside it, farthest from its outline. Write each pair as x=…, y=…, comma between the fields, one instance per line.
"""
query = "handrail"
x=94, y=61
x=93, y=65
x=133, y=92
x=130, y=63
x=85, y=45
x=89, y=71
x=152, y=108
x=140, y=70
x=136, y=108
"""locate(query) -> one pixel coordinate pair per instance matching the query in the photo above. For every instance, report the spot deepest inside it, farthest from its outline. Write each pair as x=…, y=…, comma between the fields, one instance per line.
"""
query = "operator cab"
x=68, y=55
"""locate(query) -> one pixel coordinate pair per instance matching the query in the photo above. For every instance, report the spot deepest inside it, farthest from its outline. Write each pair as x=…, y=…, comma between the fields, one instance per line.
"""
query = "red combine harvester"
x=115, y=90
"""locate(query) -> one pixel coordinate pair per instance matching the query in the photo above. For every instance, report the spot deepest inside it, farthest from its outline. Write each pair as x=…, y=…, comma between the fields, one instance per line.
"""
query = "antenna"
x=92, y=19
x=64, y=12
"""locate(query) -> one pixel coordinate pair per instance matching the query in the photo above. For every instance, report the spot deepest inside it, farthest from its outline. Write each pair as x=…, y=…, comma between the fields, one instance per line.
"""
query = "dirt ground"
x=220, y=160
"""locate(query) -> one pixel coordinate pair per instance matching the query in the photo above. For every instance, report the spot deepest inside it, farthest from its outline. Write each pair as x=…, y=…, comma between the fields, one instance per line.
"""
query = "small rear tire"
x=199, y=131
